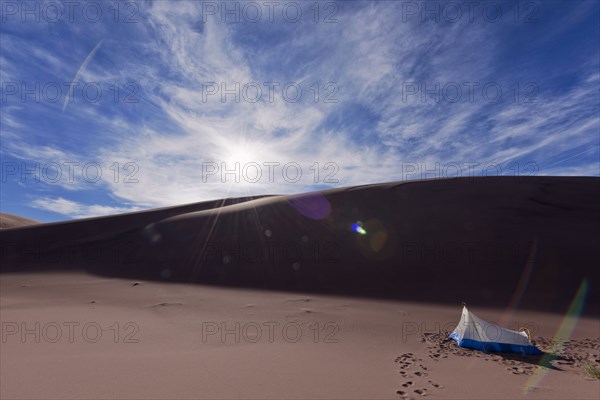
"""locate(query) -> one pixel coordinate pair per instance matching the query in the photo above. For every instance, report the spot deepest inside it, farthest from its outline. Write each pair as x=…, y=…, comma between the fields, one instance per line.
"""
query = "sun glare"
x=244, y=154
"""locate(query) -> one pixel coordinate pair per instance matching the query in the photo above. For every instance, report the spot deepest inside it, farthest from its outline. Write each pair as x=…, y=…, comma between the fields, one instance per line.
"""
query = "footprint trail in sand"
x=414, y=371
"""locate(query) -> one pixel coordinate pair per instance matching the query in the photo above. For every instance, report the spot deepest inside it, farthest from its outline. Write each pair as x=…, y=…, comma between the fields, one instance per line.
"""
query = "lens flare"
x=357, y=227
x=563, y=334
x=313, y=206
x=522, y=284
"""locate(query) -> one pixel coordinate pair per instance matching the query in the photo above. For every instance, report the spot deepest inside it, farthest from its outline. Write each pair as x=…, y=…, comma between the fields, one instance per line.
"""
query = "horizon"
x=487, y=179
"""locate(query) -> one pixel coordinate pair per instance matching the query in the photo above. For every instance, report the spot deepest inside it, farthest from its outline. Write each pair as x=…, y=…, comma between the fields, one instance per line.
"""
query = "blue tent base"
x=495, y=347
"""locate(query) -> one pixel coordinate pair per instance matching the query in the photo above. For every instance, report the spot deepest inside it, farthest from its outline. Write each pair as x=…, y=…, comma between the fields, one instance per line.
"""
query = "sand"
x=282, y=297
x=14, y=221
x=174, y=346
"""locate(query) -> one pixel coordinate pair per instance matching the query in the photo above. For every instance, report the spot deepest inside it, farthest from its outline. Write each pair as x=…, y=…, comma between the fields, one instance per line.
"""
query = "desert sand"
x=284, y=297
x=181, y=343
x=14, y=221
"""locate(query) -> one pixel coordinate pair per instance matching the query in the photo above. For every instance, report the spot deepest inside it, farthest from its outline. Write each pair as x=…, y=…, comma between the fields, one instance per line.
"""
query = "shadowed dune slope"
x=529, y=241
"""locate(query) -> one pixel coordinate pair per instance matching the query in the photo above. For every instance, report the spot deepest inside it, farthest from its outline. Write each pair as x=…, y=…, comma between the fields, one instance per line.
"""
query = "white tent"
x=474, y=333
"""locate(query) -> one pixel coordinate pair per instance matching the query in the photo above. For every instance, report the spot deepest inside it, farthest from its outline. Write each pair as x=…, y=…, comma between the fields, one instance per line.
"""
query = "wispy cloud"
x=74, y=209
x=393, y=83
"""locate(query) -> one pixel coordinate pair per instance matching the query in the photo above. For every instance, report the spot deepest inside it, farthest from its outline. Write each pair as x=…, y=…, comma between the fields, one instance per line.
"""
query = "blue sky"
x=109, y=109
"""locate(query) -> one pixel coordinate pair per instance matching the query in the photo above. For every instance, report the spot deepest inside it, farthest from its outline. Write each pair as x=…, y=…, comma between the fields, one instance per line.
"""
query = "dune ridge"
x=496, y=240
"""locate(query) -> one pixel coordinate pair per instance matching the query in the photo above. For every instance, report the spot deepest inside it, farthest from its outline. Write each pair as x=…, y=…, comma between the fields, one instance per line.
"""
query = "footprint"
x=406, y=360
x=403, y=395
x=436, y=385
x=165, y=304
x=304, y=299
x=565, y=362
x=421, y=392
x=517, y=370
x=419, y=373
x=408, y=384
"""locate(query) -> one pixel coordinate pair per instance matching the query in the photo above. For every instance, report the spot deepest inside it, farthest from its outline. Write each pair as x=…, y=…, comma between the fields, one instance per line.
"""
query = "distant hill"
x=14, y=221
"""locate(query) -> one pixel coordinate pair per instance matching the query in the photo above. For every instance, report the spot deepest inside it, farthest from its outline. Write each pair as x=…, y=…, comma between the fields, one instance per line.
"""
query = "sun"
x=242, y=163
x=243, y=154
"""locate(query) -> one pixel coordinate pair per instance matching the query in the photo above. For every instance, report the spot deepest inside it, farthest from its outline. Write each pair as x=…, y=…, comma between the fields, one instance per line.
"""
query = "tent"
x=474, y=333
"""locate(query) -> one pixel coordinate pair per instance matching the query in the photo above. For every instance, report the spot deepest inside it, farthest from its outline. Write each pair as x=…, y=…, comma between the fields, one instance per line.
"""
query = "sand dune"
x=13, y=221
x=346, y=293
x=442, y=240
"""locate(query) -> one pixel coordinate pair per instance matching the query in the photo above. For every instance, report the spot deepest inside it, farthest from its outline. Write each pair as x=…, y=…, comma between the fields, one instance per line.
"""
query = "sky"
x=112, y=107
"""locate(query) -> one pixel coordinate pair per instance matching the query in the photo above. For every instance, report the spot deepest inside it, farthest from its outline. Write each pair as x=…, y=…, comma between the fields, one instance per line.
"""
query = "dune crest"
x=526, y=241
